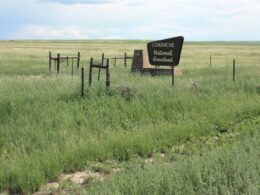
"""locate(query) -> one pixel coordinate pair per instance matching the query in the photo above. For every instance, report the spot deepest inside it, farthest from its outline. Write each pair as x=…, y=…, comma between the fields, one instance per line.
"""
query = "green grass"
x=226, y=169
x=46, y=128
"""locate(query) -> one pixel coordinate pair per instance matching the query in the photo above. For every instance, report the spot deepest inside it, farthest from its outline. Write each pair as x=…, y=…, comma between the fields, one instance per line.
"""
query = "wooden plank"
x=98, y=66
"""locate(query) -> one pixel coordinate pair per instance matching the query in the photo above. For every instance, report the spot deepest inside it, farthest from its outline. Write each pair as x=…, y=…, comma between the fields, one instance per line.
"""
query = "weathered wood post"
x=99, y=71
x=67, y=60
x=102, y=64
x=234, y=70
x=173, y=76
x=82, y=82
x=107, y=74
x=210, y=61
x=115, y=62
x=58, y=63
x=125, y=59
x=78, y=62
x=50, y=62
x=90, y=72
x=103, y=58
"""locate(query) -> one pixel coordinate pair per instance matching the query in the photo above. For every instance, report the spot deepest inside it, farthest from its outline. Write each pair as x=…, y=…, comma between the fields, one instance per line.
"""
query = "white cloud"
x=47, y=32
x=134, y=19
x=71, y=2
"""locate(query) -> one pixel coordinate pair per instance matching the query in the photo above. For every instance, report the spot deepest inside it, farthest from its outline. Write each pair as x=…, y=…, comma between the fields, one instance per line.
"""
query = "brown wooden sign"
x=165, y=52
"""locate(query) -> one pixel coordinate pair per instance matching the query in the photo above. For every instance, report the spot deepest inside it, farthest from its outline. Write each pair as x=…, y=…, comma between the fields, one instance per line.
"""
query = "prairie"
x=47, y=129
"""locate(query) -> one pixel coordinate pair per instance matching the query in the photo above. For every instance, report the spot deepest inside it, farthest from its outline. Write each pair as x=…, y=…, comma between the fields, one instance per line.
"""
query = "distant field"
x=25, y=58
x=47, y=129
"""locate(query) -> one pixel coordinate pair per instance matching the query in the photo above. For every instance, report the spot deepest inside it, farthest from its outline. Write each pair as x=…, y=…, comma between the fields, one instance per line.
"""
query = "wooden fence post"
x=102, y=64
x=115, y=62
x=82, y=82
x=50, y=62
x=210, y=61
x=58, y=63
x=78, y=60
x=99, y=71
x=125, y=59
x=90, y=71
x=107, y=74
x=103, y=58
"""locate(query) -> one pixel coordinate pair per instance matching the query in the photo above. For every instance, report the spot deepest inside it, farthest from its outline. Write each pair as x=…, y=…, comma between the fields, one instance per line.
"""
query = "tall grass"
x=46, y=128
x=227, y=169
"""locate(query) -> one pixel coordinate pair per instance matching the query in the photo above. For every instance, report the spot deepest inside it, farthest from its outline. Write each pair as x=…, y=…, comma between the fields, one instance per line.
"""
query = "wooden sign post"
x=173, y=76
x=166, y=52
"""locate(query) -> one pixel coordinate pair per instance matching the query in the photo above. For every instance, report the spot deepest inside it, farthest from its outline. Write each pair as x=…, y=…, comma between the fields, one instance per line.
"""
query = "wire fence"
x=72, y=78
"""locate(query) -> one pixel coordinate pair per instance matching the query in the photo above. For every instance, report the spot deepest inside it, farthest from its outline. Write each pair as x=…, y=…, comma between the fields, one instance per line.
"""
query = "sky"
x=200, y=20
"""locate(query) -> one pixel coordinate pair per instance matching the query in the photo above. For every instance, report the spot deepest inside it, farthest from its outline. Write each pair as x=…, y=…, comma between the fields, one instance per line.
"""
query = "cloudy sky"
x=130, y=19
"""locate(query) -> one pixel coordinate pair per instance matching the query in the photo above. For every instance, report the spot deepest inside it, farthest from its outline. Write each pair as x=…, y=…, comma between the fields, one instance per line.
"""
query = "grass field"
x=47, y=129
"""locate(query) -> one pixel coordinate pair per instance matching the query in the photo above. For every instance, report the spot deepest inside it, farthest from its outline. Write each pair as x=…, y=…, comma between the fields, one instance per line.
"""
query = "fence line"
x=125, y=58
x=60, y=59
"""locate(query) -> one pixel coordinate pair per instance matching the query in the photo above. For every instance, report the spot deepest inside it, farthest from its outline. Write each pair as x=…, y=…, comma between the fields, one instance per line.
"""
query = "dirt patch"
x=73, y=182
x=82, y=177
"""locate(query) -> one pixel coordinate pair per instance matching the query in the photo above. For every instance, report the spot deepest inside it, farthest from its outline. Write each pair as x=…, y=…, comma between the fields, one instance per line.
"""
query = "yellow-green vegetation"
x=47, y=129
x=227, y=169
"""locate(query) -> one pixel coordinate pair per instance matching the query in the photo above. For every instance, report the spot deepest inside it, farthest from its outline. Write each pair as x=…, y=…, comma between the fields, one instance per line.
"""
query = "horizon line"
x=125, y=40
